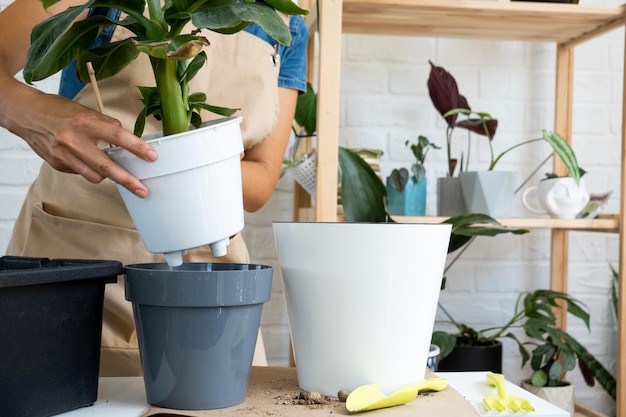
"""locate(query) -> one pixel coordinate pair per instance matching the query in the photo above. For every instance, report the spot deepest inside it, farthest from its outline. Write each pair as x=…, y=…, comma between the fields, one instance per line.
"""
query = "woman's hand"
x=66, y=135
x=62, y=132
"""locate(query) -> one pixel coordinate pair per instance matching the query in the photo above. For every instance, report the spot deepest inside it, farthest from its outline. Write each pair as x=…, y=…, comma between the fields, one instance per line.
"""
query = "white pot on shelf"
x=195, y=193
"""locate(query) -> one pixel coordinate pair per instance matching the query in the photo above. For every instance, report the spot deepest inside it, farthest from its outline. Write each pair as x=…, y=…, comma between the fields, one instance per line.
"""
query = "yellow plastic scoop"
x=503, y=399
x=370, y=397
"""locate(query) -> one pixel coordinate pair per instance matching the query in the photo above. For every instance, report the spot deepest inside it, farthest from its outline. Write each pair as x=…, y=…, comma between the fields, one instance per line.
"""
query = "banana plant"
x=175, y=55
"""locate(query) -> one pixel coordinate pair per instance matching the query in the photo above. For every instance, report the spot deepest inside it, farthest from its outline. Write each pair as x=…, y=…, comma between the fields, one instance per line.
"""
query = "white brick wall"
x=384, y=101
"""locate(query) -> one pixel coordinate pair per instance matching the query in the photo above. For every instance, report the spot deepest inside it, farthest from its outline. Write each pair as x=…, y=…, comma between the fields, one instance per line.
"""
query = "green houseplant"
x=487, y=191
x=553, y=350
x=407, y=193
x=175, y=56
x=169, y=35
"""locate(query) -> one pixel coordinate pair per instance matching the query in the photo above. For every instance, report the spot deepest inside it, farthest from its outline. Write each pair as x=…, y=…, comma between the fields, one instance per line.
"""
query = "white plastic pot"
x=361, y=300
x=195, y=193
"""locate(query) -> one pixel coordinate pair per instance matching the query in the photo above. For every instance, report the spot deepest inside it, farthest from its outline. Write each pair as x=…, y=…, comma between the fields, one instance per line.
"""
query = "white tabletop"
x=125, y=397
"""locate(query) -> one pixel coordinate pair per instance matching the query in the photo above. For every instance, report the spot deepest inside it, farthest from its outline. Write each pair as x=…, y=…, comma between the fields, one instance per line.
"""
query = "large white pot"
x=195, y=194
x=361, y=300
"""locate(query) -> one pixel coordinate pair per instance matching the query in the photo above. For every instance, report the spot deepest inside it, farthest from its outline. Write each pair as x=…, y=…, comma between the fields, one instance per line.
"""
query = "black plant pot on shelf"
x=486, y=357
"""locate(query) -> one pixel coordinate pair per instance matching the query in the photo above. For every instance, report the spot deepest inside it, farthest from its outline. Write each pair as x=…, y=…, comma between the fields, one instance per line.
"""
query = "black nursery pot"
x=486, y=357
x=50, y=328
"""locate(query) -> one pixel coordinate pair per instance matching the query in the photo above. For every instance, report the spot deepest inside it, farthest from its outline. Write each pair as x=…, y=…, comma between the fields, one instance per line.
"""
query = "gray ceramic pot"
x=450, y=200
x=197, y=326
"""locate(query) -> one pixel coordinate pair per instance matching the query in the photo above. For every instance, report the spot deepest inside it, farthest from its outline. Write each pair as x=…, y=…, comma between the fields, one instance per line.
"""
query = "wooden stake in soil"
x=94, y=84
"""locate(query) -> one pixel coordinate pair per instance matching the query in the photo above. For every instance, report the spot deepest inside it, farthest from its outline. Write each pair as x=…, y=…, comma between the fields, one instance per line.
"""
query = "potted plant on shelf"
x=406, y=194
x=488, y=191
x=555, y=351
x=167, y=37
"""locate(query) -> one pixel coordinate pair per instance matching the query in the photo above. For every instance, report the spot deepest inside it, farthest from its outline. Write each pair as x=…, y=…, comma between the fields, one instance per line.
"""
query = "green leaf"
x=49, y=51
x=174, y=11
x=135, y=9
x=539, y=378
x=362, y=192
x=287, y=7
x=152, y=107
x=555, y=371
x=445, y=341
x=398, y=179
x=569, y=360
x=196, y=120
x=306, y=110
x=222, y=111
x=564, y=152
x=234, y=17
x=466, y=226
x=192, y=69
x=600, y=373
x=59, y=40
x=107, y=60
x=48, y=3
x=155, y=49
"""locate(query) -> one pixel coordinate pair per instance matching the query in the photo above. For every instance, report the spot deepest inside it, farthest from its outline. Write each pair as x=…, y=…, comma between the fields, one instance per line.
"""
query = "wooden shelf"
x=560, y=23
x=605, y=223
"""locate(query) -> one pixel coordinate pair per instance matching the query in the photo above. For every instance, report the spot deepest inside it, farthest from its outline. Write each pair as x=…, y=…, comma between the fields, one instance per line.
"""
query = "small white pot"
x=361, y=300
x=562, y=396
x=195, y=193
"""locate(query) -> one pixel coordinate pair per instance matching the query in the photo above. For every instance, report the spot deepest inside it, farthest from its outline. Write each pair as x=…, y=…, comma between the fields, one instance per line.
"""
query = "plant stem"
x=495, y=161
x=449, y=149
x=173, y=108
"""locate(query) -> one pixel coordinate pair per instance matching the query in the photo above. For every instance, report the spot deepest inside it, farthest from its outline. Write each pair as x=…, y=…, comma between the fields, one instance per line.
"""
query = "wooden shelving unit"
x=563, y=24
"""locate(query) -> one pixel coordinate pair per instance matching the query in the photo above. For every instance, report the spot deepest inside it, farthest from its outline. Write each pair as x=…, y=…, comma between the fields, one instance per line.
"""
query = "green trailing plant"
x=444, y=94
x=399, y=177
x=175, y=56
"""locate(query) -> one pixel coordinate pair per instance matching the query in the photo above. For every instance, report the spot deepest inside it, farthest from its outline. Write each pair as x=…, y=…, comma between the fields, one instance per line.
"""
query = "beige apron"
x=65, y=216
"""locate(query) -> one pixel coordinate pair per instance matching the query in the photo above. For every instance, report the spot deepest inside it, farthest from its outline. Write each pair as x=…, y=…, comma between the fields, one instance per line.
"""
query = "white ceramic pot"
x=195, y=194
x=562, y=396
x=361, y=300
x=558, y=197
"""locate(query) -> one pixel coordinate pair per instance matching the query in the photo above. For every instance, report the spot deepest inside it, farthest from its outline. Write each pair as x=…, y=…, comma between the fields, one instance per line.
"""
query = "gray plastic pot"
x=197, y=326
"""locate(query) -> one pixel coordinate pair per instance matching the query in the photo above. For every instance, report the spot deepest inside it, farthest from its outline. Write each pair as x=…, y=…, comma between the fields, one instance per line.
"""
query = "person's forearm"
x=258, y=185
x=261, y=164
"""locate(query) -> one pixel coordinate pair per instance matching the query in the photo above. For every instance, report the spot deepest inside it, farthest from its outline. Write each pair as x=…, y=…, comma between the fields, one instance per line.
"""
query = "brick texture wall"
x=384, y=101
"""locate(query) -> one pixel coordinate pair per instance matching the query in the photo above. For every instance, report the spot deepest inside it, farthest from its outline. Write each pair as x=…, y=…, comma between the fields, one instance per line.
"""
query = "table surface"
x=125, y=397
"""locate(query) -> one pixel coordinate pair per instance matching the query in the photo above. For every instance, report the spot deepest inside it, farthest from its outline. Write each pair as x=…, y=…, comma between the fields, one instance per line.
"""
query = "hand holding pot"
x=559, y=197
